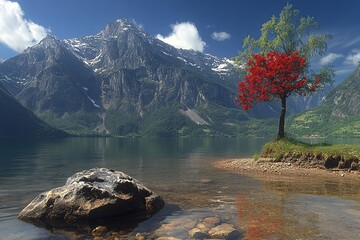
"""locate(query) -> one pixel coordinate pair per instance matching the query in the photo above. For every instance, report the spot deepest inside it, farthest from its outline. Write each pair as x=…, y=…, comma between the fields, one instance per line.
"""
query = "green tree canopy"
x=289, y=33
x=271, y=61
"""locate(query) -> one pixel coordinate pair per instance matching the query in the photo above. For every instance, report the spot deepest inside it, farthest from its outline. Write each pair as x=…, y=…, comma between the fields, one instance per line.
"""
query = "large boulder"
x=94, y=194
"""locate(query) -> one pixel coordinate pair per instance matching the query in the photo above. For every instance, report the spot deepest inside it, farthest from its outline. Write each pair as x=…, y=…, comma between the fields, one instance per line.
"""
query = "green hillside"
x=338, y=115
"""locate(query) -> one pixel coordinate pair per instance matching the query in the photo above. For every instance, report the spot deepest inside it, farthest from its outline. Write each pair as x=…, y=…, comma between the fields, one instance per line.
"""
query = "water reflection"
x=260, y=218
x=283, y=216
x=302, y=209
x=315, y=186
x=180, y=171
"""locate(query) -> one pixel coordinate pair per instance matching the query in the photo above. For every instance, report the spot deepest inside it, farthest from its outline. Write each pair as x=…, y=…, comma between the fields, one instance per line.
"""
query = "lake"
x=180, y=170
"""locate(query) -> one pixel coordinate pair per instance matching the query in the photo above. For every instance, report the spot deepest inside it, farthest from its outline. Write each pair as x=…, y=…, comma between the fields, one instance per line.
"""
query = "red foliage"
x=275, y=75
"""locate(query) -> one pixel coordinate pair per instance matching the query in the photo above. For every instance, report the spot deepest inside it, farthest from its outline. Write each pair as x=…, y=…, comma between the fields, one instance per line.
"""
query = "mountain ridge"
x=338, y=115
x=121, y=79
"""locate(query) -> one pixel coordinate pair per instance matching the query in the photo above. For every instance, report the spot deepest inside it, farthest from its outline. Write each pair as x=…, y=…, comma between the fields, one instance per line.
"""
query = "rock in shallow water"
x=197, y=234
x=224, y=230
x=93, y=194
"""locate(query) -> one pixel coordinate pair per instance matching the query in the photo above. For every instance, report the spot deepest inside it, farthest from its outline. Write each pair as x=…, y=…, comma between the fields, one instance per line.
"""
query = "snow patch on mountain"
x=93, y=102
x=182, y=59
x=168, y=54
x=94, y=61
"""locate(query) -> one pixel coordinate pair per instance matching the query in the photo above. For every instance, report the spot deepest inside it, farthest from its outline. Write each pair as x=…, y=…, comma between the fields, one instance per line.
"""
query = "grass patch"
x=329, y=155
x=280, y=147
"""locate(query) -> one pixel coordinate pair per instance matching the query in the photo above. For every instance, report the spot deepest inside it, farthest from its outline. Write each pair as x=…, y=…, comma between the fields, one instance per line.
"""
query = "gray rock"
x=224, y=231
x=174, y=227
x=203, y=227
x=93, y=194
x=197, y=234
x=341, y=164
x=211, y=222
x=354, y=166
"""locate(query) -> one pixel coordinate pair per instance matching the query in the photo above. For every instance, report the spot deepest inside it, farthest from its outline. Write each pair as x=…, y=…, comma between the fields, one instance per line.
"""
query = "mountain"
x=123, y=81
x=114, y=48
x=337, y=115
x=17, y=121
x=55, y=84
x=122, y=44
x=128, y=61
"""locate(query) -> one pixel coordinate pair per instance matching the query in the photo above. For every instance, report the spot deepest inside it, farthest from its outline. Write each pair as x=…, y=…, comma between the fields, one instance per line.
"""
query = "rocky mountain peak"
x=123, y=22
x=48, y=42
x=125, y=44
x=121, y=26
x=50, y=39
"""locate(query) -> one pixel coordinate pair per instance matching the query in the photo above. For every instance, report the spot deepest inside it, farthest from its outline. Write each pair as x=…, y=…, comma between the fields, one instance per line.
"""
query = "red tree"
x=276, y=75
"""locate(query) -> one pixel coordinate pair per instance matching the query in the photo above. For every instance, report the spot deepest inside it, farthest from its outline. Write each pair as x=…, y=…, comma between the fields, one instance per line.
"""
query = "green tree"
x=289, y=33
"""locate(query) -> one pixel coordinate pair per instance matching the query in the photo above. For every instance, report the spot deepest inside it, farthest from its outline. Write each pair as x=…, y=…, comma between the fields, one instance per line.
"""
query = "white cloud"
x=330, y=58
x=184, y=35
x=220, y=36
x=353, y=58
x=15, y=31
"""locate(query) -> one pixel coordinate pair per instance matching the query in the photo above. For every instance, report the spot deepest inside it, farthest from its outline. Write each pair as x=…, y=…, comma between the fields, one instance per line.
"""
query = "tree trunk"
x=281, y=133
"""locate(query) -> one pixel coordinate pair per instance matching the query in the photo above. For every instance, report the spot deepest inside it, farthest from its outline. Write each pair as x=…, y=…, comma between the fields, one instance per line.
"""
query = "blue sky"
x=220, y=25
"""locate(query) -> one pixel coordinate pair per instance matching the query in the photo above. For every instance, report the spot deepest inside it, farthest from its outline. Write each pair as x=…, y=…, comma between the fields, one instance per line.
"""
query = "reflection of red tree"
x=258, y=219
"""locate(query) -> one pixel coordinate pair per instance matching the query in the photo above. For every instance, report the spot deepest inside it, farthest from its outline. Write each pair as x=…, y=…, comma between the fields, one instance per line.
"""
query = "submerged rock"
x=211, y=222
x=197, y=233
x=224, y=231
x=94, y=194
x=202, y=227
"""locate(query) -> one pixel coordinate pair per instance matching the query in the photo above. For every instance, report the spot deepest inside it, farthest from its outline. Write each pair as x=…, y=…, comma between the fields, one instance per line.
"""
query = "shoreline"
x=266, y=169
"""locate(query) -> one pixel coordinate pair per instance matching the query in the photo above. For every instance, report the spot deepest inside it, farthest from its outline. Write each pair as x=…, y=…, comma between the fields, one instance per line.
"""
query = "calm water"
x=180, y=171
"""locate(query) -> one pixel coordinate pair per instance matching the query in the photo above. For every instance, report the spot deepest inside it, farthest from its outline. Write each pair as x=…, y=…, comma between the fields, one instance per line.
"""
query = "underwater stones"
x=198, y=233
x=211, y=221
x=214, y=228
x=224, y=231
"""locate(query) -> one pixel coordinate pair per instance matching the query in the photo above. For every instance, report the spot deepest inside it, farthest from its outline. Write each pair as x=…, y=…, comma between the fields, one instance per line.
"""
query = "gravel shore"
x=267, y=168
